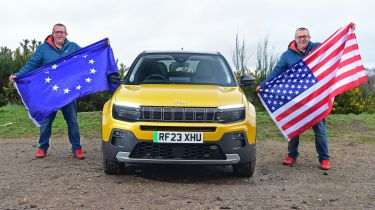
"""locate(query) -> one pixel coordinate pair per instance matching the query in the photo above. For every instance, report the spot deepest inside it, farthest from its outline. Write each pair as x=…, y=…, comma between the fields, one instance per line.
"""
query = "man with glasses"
x=297, y=49
x=54, y=47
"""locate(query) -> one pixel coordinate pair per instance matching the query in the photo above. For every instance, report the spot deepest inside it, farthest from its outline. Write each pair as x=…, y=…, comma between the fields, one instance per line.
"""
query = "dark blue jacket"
x=290, y=57
x=47, y=53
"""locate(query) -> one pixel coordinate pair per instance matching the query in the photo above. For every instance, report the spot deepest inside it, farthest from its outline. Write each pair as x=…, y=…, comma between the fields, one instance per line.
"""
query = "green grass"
x=357, y=128
x=351, y=127
x=266, y=128
x=15, y=123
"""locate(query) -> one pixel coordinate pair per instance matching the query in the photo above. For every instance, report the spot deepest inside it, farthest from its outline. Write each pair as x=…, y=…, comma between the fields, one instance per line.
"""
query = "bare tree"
x=240, y=57
x=122, y=69
x=266, y=59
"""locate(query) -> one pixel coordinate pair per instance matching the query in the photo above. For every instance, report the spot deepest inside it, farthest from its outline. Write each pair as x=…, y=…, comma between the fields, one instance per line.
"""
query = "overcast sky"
x=203, y=25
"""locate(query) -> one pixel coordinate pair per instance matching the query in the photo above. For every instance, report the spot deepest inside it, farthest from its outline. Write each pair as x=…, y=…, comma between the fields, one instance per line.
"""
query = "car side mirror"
x=246, y=80
x=114, y=78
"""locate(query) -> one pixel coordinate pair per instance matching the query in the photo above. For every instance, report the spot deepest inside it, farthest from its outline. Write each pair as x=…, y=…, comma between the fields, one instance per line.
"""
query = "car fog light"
x=238, y=136
x=239, y=140
x=121, y=134
x=119, y=137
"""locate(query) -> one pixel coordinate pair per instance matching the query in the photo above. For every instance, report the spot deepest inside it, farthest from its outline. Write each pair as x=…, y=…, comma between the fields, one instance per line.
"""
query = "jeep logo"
x=180, y=102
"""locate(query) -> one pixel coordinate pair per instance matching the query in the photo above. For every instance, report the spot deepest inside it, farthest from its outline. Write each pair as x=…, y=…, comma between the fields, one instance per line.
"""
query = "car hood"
x=178, y=95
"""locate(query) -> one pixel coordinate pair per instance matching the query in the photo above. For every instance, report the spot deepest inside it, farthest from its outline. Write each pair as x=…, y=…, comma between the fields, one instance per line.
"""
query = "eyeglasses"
x=58, y=32
x=303, y=37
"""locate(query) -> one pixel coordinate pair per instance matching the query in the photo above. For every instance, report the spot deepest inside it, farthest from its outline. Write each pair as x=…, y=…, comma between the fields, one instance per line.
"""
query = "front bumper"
x=126, y=149
x=124, y=157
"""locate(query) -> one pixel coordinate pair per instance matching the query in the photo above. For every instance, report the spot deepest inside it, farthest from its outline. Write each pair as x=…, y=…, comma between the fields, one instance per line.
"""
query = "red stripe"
x=325, y=47
x=317, y=48
x=350, y=85
x=334, y=54
x=349, y=73
x=350, y=37
x=337, y=65
x=328, y=71
x=351, y=48
x=312, y=122
x=333, y=34
x=328, y=100
x=306, y=113
x=316, y=93
x=328, y=58
x=331, y=56
x=305, y=100
x=349, y=61
x=316, y=53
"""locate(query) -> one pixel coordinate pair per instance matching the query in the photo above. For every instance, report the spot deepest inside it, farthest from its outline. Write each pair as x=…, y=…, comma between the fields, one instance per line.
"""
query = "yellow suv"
x=179, y=108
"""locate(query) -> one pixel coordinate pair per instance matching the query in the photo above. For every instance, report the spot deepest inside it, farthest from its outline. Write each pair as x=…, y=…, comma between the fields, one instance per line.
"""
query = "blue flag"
x=54, y=85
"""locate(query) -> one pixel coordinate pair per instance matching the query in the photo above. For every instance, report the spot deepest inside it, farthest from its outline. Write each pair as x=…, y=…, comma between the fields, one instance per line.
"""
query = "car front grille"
x=149, y=150
x=178, y=114
x=177, y=128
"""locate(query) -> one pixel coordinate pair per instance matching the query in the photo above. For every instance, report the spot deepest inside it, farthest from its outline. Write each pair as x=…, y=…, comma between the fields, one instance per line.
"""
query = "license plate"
x=178, y=137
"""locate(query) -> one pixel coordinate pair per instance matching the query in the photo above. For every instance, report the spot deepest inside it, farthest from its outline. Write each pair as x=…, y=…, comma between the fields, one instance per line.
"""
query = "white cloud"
x=205, y=25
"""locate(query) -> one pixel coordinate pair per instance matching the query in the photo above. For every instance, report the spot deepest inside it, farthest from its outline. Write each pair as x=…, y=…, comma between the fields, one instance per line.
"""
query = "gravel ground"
x=60, y=181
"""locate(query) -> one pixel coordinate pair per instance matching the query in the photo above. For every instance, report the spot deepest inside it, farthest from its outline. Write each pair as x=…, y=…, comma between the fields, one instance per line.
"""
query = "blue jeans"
x=70, y=114
x=321, y=142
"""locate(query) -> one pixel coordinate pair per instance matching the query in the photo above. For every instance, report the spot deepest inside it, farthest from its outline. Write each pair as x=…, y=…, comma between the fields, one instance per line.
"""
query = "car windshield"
x=181, y=68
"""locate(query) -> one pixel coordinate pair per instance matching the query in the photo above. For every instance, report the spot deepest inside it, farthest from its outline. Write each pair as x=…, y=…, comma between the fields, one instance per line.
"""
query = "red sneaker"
x=324, y=165
x=289, y=160
x=40, y=153
x=78, y=153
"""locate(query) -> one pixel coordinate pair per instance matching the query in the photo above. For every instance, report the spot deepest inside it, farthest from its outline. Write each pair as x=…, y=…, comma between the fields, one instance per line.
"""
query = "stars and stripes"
x=303, y=95
x=284, y=88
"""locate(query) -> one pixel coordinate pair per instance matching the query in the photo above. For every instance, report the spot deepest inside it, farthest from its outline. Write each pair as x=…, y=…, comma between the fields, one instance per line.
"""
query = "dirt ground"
x=61, y=182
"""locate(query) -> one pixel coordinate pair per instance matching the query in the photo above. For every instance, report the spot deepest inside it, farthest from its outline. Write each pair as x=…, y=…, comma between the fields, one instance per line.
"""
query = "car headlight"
x=230, y=114
x=126, y=113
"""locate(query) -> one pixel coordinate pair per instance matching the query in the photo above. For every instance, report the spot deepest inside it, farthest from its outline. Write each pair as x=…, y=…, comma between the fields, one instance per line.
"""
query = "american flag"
x=303, y=95
x=52, y=86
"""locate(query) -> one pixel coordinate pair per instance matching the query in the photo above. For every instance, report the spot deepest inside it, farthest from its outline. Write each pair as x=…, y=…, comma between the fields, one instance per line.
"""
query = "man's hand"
x=257, y=90
x=11, y=78
x=353, y=25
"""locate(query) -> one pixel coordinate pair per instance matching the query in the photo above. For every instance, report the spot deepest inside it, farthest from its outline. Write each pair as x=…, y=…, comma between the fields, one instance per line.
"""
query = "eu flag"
x=54, y=85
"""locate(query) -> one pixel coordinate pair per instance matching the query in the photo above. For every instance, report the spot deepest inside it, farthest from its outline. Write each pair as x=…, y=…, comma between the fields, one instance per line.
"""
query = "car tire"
x=244, y=169
x=113, y=168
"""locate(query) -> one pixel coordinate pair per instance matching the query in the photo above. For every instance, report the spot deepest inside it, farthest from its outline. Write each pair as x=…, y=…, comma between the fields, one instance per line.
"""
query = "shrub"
x=357, y=100
x=11, y=95
x=348, y=102
x=93, y=102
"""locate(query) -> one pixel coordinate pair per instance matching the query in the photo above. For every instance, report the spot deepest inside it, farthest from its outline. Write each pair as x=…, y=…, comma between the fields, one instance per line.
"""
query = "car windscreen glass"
x=181, y=68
